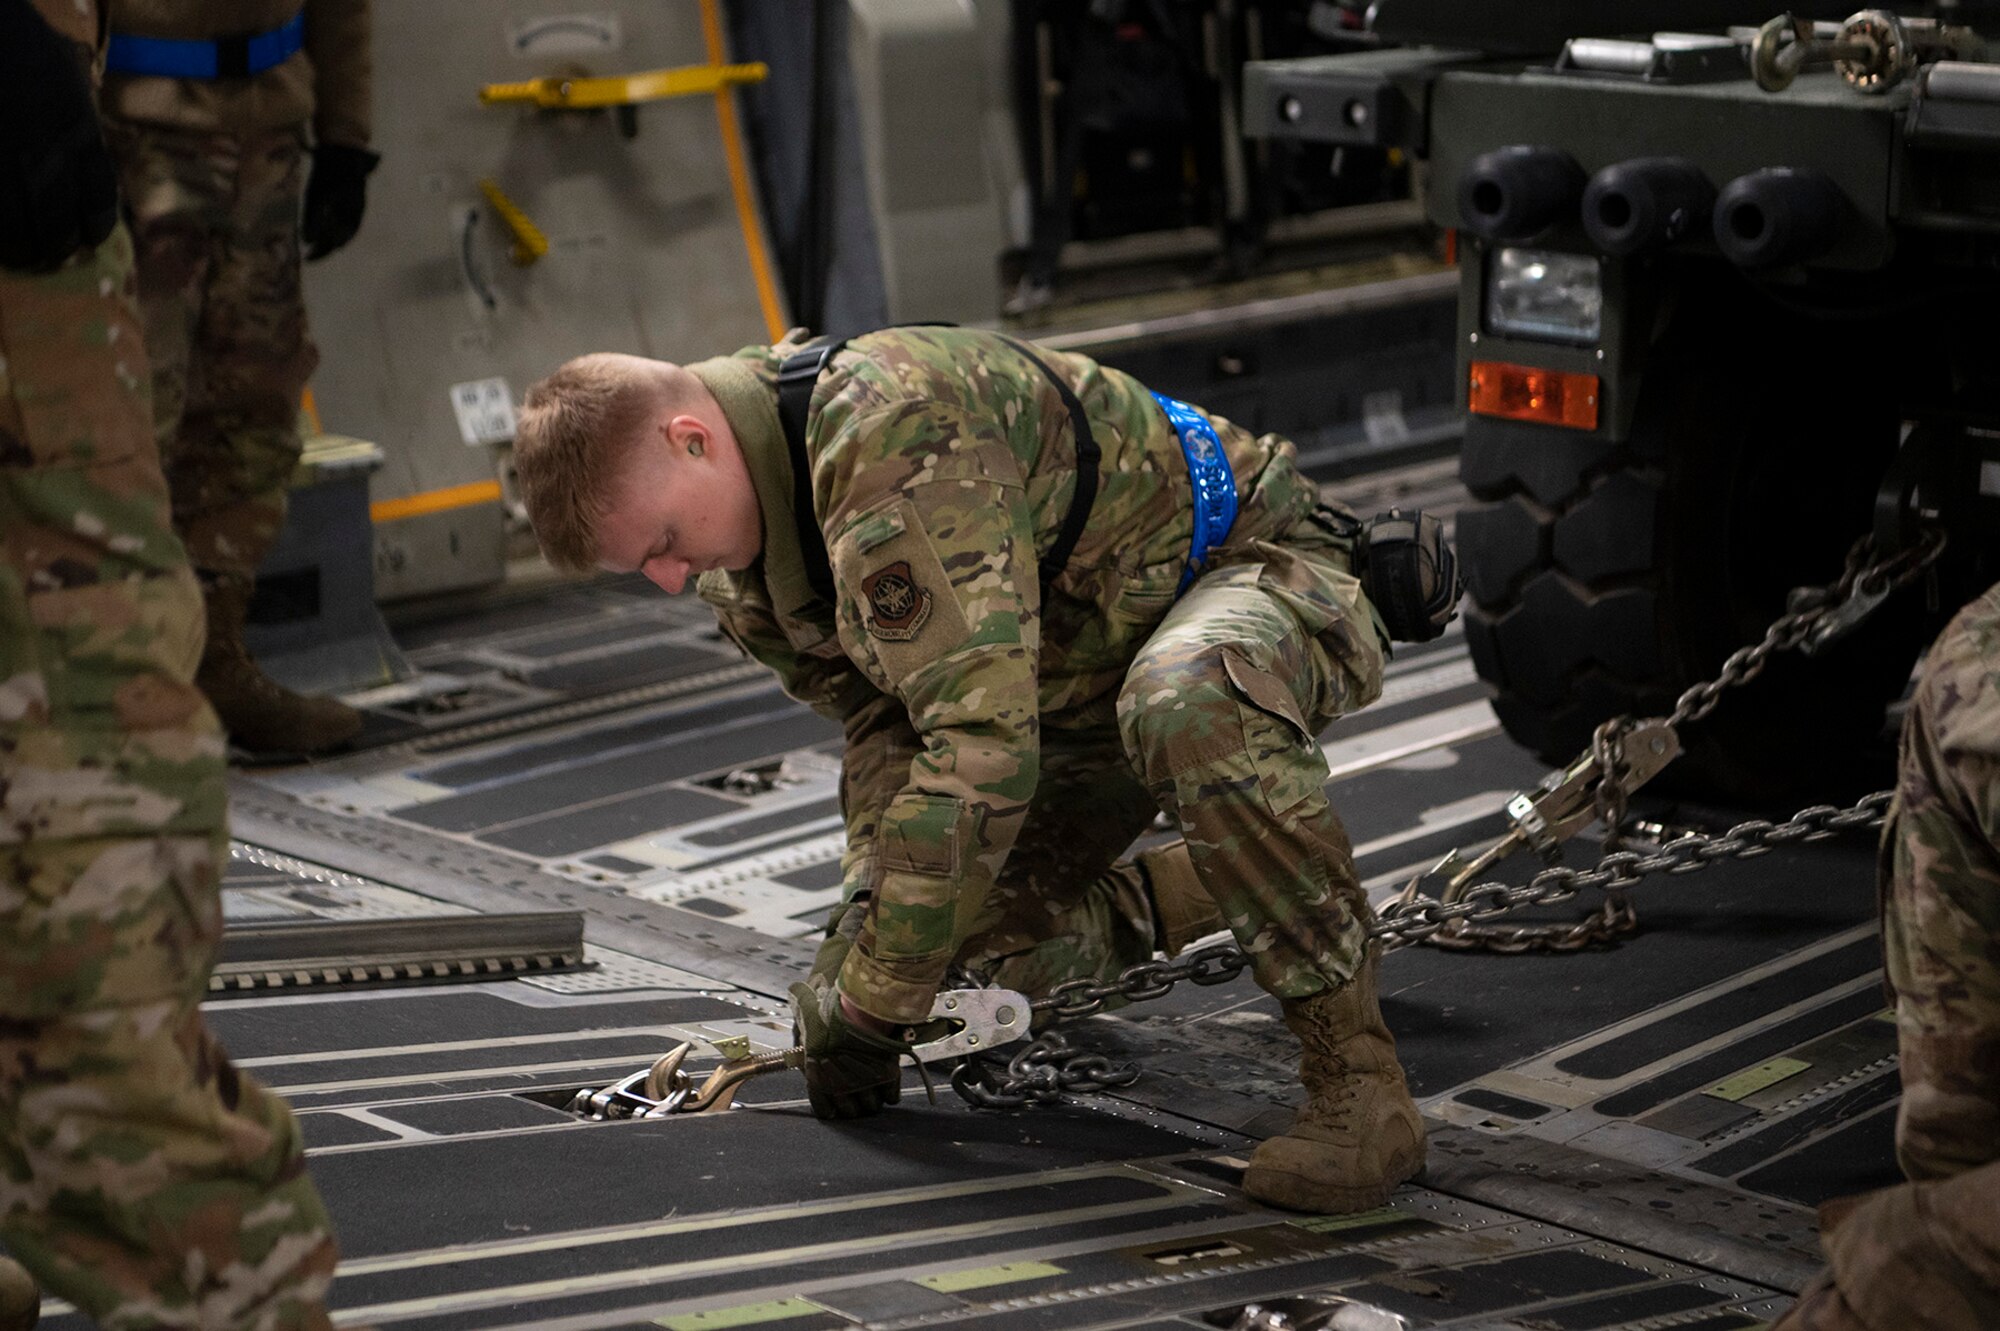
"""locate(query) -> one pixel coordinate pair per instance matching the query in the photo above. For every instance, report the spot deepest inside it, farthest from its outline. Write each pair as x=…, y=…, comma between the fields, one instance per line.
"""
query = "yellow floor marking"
x=747, y=1314
x=1745, y=1084
x=955, y=1282
x=1328, y=1224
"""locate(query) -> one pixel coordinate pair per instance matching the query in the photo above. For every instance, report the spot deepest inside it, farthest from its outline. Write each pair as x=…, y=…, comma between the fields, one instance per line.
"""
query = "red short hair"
x=575, y=429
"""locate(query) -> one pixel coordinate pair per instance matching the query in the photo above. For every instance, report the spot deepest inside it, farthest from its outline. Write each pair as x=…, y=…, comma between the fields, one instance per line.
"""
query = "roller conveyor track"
x=297, y=954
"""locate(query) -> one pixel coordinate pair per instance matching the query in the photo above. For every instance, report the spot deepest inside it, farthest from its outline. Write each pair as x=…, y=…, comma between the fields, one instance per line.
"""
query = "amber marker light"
x=1544, y=397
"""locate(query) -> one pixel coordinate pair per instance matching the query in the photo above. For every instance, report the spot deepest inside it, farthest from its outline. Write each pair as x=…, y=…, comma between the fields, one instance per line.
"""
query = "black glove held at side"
x=850, y=1073
x=336, y=196
x=58, y=188
x=1410, y=572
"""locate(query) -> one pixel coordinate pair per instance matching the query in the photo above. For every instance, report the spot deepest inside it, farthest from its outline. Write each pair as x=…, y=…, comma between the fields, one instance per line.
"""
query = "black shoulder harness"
x=796, y=378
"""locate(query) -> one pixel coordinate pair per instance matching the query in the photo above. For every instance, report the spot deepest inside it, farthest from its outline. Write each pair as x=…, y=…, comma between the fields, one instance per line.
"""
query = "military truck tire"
x=1604, y=578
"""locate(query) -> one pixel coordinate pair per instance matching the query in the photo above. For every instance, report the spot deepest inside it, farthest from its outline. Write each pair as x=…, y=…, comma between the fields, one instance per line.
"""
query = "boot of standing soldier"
x=259, y=713
x=1359, y=1134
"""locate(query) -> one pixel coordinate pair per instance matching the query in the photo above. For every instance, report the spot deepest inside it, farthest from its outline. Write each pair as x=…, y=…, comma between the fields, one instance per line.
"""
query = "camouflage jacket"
x=329, y=82
x=943, y=467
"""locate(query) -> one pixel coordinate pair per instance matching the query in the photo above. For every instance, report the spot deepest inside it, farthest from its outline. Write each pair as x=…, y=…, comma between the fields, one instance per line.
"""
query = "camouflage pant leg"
x=215, y=219
x=1061, y=908
x=1220, y=714
x=1918, y=1255
x=1064, y=906
x=1941, y=902
x=140, y=1177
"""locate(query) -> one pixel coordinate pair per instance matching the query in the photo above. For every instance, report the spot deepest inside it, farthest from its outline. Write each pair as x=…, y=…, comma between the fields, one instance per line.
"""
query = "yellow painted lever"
x=623, y=89
x=529, y=242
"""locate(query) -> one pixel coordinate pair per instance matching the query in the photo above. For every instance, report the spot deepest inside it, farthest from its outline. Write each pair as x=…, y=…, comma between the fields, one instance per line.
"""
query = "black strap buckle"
x=232, y=56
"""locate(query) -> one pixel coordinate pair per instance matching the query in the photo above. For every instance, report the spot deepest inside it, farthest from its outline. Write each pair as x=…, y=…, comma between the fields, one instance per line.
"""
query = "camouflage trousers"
x=1941, y=903
x=1216, y=727
x=1928, y=1253
x=142, y=1176
x=1920, y=1255
x=215, y=218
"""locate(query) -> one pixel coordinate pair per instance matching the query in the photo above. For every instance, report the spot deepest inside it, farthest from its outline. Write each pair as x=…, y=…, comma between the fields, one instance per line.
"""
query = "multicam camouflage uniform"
x=213, y=172
x=141, y=1175
x=1006, y=741
x=215, y=220
x=1928, y=1253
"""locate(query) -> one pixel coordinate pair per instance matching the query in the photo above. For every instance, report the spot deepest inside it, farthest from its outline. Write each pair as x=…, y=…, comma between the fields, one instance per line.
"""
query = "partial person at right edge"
x=1927, y=1253
x=241, y=132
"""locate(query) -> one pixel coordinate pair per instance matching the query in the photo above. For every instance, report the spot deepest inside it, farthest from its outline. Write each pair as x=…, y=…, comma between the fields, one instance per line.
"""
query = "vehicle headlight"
x=1543, y=294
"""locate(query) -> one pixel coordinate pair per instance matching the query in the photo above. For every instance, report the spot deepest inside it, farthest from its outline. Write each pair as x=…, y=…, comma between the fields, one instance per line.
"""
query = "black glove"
x=336, y=196
x=850, y=1072
x=58, y=189
x=1410, y=572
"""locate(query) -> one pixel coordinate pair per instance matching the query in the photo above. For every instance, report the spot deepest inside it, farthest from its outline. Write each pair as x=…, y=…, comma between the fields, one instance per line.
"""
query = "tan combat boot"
x=259, y=713
x=1183, y=911
x=1360, y=1133
x=20, y=1297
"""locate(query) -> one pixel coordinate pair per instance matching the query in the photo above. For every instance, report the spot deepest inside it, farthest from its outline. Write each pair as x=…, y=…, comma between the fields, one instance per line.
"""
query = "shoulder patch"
x=897, y=605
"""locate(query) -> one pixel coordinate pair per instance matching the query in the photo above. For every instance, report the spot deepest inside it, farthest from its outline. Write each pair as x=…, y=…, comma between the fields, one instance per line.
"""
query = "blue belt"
x=1214, y=484
x=224, y=58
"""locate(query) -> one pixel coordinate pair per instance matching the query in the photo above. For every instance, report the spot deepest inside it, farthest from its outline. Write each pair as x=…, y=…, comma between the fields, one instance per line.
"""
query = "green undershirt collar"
x=751, y=406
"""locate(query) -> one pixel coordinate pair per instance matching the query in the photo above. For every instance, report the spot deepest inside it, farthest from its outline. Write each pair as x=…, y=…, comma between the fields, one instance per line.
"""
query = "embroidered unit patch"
x=897, y=606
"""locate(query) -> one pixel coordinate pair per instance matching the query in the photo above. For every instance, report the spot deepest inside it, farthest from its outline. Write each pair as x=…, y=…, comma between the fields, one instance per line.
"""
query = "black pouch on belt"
x=1409, y=571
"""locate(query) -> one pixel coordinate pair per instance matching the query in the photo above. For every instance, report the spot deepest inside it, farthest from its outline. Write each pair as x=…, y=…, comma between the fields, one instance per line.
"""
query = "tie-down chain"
x=1624, y=755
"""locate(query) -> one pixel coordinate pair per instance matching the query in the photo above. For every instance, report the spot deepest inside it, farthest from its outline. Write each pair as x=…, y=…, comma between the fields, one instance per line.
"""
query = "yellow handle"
x=623, y=89
x=529, y=242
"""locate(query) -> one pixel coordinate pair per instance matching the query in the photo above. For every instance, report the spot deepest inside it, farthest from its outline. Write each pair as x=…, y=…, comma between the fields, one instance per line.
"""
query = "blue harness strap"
x=1214, y=483
x=224, y=58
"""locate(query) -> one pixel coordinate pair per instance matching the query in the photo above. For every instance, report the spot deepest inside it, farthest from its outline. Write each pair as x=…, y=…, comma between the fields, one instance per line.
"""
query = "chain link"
x=1147, y=980
x=1041, y=1072
x=1865, y=572
x=1866, y=578
x=1047, y=1067
x=1420, y=918
x=1614, y=919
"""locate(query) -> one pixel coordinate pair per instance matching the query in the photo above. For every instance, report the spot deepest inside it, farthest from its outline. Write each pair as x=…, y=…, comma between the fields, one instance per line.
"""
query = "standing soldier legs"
x=215, y=220
x=1220, y=714
x=141, y=1176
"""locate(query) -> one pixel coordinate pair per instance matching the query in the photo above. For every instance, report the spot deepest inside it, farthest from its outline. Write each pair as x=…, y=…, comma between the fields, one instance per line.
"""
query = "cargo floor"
x=1624, y=1138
